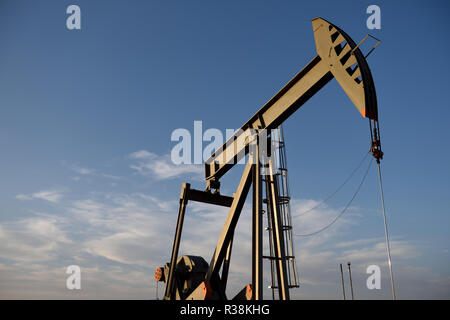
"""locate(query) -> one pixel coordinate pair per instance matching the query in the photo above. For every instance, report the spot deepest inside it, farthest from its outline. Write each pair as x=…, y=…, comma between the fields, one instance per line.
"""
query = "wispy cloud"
x=86, y=174
x=118, y=239
x=161, y=167
x=48, y=195
x=38, y=238
x=83, y=171
x=77, y=168
x=376, y=251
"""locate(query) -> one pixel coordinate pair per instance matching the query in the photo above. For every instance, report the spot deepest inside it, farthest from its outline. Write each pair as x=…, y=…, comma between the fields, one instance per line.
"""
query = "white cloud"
x=88, y=173
x=130, y=229
x=24, y=197
x=117, y=240
x=143, y=154
x=32, y=239
x=110, y=176
x=78, y=169
x=121, y=238
x=83, y=171
x=41, y=281
x=377, y=251
x=161, y=167
x=47, y=195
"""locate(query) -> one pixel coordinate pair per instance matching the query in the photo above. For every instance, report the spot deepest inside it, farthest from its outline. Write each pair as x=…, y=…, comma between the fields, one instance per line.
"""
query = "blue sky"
x=86, y=116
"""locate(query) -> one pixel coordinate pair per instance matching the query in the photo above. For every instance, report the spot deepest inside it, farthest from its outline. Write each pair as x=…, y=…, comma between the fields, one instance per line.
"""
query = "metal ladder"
x=283, y=204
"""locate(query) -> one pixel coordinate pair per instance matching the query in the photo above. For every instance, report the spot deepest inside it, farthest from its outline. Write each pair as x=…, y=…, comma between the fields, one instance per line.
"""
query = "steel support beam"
x=169, y=293
x=257, y=226
x=230, y=224
x=226, y=265
x=208, y=197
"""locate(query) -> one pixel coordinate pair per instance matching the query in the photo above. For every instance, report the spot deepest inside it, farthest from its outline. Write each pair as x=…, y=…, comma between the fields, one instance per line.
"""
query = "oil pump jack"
x=191, y=277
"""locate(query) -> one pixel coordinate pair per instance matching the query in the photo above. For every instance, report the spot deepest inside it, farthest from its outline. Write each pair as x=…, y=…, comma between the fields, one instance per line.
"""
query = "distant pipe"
x=351, y=282
x=342, y=279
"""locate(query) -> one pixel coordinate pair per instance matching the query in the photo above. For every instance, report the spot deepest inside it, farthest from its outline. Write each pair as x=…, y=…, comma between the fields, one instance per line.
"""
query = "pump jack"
x=191, y=277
